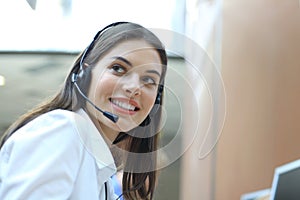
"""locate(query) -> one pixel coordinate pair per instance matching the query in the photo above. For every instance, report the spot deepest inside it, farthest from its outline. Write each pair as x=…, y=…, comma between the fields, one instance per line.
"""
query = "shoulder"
x=49, y=150
x=56, y=129
x=57, y=122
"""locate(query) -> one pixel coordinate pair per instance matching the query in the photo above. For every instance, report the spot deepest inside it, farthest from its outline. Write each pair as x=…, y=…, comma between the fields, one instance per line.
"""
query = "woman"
x=102, y=120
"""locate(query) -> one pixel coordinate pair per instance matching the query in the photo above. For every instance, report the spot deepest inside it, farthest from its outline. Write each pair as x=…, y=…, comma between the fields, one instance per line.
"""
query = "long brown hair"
x=139, y=177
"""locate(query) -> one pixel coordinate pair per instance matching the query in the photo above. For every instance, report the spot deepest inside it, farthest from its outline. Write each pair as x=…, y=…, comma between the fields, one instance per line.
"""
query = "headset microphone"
x=109, y=115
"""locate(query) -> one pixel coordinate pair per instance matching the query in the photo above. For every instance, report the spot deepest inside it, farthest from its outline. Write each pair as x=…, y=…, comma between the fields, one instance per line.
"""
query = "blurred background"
x=233, y=87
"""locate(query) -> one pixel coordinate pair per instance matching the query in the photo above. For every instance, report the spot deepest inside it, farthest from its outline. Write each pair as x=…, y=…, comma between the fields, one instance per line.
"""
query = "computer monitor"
x=286, y=182
x=256, y=194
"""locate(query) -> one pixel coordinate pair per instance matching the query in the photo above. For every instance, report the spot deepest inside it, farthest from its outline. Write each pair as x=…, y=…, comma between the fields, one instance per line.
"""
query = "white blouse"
x=58, y=155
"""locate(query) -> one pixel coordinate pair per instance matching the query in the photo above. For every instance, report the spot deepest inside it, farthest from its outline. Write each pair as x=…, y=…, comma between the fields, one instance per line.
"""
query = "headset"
x=114, y=118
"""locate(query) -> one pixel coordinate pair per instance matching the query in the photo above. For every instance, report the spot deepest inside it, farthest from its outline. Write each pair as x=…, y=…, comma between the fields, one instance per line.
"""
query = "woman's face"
x=124, y=82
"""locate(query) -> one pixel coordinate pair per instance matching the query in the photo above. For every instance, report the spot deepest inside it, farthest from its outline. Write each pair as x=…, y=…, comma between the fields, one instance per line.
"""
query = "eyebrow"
x=123, y=60
x=131, y=65
x=154, y=72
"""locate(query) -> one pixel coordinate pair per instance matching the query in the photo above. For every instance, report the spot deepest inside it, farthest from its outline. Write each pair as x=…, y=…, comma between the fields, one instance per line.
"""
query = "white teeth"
x=123, y=105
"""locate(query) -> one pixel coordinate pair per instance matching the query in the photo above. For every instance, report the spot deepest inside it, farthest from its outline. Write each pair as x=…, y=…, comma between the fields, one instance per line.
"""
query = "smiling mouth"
x=124, y=105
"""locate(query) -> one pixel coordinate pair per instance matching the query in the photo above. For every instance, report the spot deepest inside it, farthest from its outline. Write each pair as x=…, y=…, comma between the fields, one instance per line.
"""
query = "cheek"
x=149, y=99
x=104, y=86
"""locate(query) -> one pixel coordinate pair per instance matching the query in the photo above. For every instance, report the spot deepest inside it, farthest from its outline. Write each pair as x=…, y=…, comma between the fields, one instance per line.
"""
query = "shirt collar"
x=97, y=147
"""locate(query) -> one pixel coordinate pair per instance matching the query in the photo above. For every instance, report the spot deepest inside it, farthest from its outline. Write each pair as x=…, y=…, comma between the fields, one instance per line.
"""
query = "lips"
x=125, y=105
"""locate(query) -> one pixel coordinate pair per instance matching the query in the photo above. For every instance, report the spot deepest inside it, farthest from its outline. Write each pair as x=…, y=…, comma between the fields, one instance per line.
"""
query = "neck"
x=115, y=140
x=106, y=132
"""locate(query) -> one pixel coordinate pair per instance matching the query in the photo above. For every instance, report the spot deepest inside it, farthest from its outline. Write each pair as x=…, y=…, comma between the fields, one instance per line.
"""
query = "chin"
x=126, y=126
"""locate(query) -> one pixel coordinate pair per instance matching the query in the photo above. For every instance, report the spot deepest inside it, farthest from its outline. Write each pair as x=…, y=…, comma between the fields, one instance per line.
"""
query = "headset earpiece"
x=157, y=104
x=159, y=94
x=74, y=77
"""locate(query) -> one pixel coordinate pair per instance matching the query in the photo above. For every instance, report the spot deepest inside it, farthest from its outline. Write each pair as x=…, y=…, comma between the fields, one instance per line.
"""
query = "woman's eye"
x=118, y=69
x=148, y=81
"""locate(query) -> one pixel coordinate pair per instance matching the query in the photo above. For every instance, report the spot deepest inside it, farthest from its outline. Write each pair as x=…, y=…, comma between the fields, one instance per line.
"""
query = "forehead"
x=137, y=51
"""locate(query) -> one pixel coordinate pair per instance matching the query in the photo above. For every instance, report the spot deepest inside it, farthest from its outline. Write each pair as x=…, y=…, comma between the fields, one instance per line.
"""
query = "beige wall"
x=261, y=72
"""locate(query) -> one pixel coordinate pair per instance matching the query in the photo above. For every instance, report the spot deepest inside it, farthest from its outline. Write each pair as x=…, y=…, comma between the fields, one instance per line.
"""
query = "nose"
x=131, y=85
